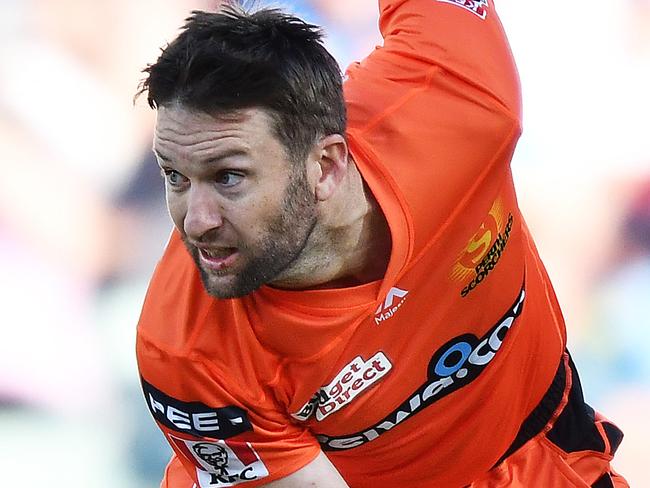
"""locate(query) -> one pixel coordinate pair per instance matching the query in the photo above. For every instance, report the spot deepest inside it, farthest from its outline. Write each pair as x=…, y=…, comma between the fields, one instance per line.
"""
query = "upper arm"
x=433, y=47
x=464, y=38
x=320, y=473
x=436, y=110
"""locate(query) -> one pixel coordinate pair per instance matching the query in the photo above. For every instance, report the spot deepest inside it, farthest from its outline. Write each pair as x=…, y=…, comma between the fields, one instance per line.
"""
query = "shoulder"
x=174, y=300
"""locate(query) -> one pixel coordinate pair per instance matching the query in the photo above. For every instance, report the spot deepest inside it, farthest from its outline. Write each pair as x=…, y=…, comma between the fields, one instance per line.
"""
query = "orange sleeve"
x=436, y=109
x=222, y=429
x=444, y=34
x=464, y=37
x=236, y=442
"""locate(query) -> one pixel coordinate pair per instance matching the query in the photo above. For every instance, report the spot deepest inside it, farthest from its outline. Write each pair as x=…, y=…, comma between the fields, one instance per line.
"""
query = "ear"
x=328, y=165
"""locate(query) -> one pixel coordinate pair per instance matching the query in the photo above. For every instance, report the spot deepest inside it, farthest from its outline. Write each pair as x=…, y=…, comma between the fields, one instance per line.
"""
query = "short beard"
x=285, y=239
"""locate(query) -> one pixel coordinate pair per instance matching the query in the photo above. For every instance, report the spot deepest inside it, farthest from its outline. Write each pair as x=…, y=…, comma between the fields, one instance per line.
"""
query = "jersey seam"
x=550, y=299
x=371, y=157
x=402, y=100
x=429, y=76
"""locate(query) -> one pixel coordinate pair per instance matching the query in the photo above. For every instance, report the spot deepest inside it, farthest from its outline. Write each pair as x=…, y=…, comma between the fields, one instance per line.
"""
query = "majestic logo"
x=390, y=305
x=193, y=417
x=221, y=463
x=477, y=7
x=354, y=378
x=456, y=364
x=484, y=249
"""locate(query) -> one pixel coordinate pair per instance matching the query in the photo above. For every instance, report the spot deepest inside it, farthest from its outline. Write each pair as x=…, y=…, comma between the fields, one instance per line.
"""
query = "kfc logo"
x=477, y=7
x=220, y=463
x=354, y=378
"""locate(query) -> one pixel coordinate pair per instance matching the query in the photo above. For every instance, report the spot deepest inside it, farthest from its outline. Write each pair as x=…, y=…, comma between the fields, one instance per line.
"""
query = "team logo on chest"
x=484, y=249
x=355, y=377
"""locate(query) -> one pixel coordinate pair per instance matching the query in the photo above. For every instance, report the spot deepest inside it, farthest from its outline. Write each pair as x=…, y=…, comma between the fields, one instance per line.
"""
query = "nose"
x=203, y=213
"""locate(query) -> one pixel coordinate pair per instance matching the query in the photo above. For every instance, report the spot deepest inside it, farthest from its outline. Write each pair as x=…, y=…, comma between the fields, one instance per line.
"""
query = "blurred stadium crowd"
x=83, y=222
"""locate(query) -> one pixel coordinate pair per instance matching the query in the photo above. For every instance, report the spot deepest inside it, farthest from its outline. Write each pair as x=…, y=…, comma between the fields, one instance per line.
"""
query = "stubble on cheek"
x=281, y=239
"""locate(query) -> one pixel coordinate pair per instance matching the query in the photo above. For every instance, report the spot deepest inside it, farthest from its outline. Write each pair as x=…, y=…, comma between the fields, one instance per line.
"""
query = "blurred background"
x=83, y=222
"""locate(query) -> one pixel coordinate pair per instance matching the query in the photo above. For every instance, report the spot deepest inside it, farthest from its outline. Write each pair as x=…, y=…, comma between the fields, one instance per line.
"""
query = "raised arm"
x=437, y=105
x=428, y=38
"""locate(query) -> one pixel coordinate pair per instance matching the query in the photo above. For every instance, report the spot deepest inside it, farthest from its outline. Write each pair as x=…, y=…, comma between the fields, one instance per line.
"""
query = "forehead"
x=183, y=130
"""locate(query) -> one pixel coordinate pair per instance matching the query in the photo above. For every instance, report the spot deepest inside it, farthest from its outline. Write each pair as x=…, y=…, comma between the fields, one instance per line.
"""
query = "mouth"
x=218, y=259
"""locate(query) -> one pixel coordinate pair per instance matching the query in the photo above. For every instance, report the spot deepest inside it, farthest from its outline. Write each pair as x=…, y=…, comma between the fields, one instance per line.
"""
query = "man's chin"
x=219, y=286
x=224, y=286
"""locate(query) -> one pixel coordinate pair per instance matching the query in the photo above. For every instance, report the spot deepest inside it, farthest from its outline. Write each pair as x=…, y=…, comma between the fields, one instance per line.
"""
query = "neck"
x=349, y=246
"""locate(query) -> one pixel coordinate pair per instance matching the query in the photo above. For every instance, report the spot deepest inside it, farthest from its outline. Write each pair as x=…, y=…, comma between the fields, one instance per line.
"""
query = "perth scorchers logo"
x=484, y=249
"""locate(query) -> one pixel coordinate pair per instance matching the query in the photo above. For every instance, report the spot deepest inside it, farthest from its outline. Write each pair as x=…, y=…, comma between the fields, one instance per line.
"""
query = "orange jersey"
x=421, y=379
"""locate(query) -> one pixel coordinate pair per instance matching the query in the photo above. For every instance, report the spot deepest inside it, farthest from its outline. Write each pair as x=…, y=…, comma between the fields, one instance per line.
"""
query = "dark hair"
x=234, y=59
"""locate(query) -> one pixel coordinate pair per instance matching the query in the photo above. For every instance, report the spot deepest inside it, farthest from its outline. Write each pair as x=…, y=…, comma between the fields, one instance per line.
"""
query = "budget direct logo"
x=484, y=249
x=477, y=7
x=357, y=376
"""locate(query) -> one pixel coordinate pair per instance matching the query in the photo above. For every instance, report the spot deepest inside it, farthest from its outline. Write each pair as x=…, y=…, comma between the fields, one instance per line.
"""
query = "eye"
x=229, y=178
x=174, y=178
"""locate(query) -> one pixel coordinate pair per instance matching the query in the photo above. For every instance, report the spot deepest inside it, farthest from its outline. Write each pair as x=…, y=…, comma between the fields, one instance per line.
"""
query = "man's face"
x=243, y=209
